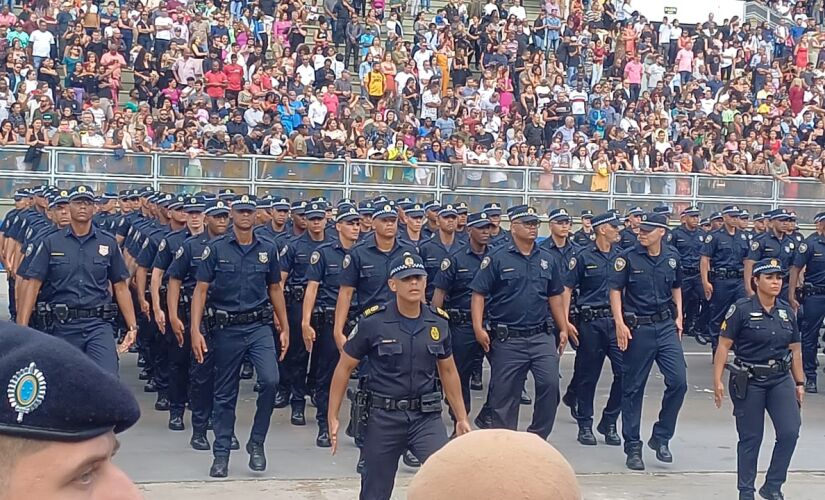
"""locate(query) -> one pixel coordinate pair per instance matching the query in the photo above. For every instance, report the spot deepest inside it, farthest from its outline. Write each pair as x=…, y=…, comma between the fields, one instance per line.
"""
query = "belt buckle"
x=403, y=404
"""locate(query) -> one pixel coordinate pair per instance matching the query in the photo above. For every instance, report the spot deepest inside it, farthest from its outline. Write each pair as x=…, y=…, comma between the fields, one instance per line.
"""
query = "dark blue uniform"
x=240, y=277
x=295, y=257
x=5, y=227
x=519, y=287
x=627, y=238
x=761, y=337
x=454, y=277
x=769, y=246
x=325, y=267
x=647, y=284
x=433, y=252
x=367, y=270
x=727, y=255
x=582, y=238
x=689, y=245
x=153, y=236
x=403, y=354
x=503, y=237
x=589, y=270
x=78, y=271
x=810, y=255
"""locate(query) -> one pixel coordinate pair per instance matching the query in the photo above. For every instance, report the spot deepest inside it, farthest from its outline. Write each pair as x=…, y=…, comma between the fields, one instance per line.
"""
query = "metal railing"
x=760, y=12
x=303, y=178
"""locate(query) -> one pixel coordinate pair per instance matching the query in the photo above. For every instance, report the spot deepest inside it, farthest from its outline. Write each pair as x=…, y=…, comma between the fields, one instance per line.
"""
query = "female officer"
x=765, y=375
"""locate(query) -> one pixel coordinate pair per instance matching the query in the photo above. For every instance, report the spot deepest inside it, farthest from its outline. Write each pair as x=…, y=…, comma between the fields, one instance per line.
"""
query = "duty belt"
x=632, y=319
x=226, y=318
x=427, y=403
x=722, y=274
x=62, y=312
x=690, y=271
x=504, y=332
x=460, y=317
x=772, y=367
x=810, y=289
x=587, y=313
x=295, y=293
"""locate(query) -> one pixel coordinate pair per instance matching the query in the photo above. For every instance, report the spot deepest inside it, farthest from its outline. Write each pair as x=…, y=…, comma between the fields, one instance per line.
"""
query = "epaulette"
x=441, y=312
x=372, y=310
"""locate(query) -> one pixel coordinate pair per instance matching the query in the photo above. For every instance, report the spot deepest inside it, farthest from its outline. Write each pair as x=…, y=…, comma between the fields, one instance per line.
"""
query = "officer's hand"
x=284, y=343
x=199, y=347
x=127, y=343
x=144, y=307
x=679, y=326
x=462, y=427
x=332, y=422
x=340, y=339
x=623, y=336
x=483, y=338
x=563, y=336
x=708, y=290
x=572, y=333
x=718, y=393
x=800, y=395
x=177, y=329
x=794, y=303
x=309, y=336
x=160, y=320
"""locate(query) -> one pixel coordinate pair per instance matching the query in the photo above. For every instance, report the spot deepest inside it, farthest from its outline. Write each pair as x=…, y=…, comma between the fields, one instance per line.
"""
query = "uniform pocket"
x=390, y=349
x=436, y=350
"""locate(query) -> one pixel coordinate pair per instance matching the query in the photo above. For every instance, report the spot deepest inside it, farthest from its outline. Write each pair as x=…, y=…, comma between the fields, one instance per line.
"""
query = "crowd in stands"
x=587, y=85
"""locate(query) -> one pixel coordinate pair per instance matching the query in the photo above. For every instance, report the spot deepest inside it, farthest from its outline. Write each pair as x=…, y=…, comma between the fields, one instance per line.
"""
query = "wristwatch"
x=800, y=384
x=132, y=329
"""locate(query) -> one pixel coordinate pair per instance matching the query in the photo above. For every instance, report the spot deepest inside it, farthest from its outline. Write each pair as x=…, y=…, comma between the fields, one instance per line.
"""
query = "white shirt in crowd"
x=41, y=42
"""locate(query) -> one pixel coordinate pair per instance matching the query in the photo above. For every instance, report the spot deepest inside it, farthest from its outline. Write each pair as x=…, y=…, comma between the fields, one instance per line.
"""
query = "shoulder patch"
x=29, y=249
x=672, y=263
x=485, y=262
x=179, y=253
x=708, y=238
x=445, y=264
x=315, y=257
x=731, y=310
x=803, y=247
x=754, y=245
x=145, y=243
x=162, y=245
x=206, y=252
x=442, y=313
x=283, y=251
x=372, y=310
x=347, y=261
x=620, y=264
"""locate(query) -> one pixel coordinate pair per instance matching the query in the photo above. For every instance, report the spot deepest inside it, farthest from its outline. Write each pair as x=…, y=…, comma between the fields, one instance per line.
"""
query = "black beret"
x=57, y=393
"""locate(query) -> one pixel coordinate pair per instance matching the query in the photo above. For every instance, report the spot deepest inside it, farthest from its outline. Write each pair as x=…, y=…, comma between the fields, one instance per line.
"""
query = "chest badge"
x=103, y=250
x=263, y=257
x=672, y=263
x=26, y=390
x=434, y=333
x=783, y=314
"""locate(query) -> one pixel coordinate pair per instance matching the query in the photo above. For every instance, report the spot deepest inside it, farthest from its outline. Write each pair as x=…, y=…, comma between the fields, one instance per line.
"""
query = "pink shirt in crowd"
x=633, y=72
x=685, y=60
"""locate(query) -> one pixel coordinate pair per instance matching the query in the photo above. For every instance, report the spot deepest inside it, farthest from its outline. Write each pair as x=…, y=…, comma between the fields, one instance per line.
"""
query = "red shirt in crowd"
x=215, y=83
x=234, y=75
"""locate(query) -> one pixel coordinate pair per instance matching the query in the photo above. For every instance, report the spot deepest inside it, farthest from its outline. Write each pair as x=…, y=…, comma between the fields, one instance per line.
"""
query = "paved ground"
x=704, y=448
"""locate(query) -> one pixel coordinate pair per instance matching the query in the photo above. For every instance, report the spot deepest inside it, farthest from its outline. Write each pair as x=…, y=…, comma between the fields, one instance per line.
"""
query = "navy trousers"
x=202, y=386
x=509, y=363
x=296, y=362
x=326, y=352
x=811, y=322
x=658, y=342
x=777, y=395
x=725, y=293
x=692, y=297
x=468, y=354
x=230, y=344
x=93, y=336
x=597, y=340
x=388, y=435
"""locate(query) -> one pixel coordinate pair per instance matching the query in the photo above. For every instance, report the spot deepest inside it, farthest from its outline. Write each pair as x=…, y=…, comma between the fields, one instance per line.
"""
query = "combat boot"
x=634, y=457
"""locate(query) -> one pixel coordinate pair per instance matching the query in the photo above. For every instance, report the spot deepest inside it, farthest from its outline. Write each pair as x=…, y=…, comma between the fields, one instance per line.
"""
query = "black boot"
x=475, y=381
x=234, y=444
x=220, y=467
x=297, y=417
x=611, y=437
x=359, y=468
x=257, y=458
x=634, y=457
x=586, y=436
x=162, y=404
x=662, y=451
x=525, y=398
x=569, y=400
x=246, y=370
x=141, y=362
x=199, y=442
x=144, y=374
x=810, y=386
x=281, y=399
x=150, y=387
x=176, y=421
x=484, y=419
x=768, y=494
x=323, y=441
x=411, y=460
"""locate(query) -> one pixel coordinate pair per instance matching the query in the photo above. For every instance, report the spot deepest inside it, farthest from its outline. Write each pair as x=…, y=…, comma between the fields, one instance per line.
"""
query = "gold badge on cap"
x=81, y=189
x=774, y=262
x=409, y=262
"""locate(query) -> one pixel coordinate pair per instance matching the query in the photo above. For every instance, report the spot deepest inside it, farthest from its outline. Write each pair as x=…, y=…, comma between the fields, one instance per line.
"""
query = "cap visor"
x=409, y=272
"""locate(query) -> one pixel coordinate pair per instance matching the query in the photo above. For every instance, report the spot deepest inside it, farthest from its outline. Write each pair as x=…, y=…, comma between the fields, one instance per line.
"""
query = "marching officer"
x=431, y=209
x=759, y=224
x=414, y=221
x=323, y=282
x=181, y=286
x=762, y=330
x=276, y=228
x=722, y=269
x=645, y=288
x=408, y=345
x=434, y=250
x=21, y=203
x=295, y=259
x=498, y=234
x=366, y=210
x=629, y=234
x=524, y=286
x=243, y=277
x=810, y=261
x=589, y=270
x=78, y=265
x=462, y=210
x=775, y=243
x=452, y=291
x=688, y=240
x=585, y=235
x=717, y=221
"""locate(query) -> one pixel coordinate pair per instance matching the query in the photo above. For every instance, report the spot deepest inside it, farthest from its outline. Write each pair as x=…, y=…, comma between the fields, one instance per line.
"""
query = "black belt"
x=504, y=332
x=722, y=274
x=632, y=320
x=813, y=290
x=587, y=313
x=226, y=318
x=295, y=293
x=460, y=317
x=63, y=313
x=772, y=367
x=427, y=403
x=690, y=271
